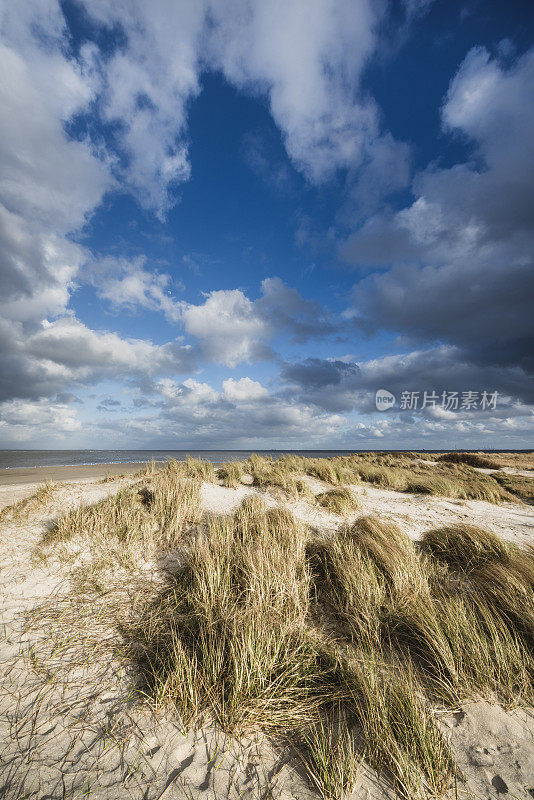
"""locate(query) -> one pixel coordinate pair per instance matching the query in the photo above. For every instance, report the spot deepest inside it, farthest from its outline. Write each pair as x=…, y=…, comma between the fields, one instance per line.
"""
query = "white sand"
x=71, y=730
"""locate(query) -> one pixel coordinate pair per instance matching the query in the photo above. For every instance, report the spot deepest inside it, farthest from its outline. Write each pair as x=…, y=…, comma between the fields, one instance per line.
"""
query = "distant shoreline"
x=16, y=476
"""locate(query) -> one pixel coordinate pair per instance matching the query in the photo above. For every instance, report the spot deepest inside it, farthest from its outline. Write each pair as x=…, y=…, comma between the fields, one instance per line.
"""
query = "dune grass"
x=231, y=474
x=518, y=485
x=464, y=638
x=472, y=459
x=233, y=641
x=131, y=526
x=402, y=472
x=28, y=505
x=338, y=501
x=338, y=647
x=268, y=473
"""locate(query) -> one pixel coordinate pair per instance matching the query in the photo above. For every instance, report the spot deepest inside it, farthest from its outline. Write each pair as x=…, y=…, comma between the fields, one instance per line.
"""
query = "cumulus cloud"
x=462, y=251
x=50, y=183
x=306, y=59
x=228, y=326
x=25, y=422
x=349, y=386
x=243, y=389
x=244, y=414
x=231, y=328
x=66, y=352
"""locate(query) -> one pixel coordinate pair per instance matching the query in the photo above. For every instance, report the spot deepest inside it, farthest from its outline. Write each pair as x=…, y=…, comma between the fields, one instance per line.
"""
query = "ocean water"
x=69, y=458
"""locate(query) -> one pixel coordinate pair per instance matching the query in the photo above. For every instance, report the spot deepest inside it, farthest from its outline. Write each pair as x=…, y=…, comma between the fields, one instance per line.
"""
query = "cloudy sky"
x=228, y=223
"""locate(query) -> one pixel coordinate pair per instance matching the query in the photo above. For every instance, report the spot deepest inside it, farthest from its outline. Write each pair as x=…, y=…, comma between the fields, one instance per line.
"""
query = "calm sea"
x=71, y=458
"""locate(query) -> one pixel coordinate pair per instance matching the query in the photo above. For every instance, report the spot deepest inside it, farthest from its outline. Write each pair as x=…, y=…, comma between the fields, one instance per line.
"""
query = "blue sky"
x=228, y=224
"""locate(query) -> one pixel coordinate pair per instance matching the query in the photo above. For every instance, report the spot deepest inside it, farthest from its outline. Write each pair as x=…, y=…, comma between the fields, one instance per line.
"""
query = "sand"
x=32, y=476
x=70, y=727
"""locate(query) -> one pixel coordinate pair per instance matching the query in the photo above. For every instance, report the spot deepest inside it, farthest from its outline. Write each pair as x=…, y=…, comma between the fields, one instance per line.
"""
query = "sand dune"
x=70, y=724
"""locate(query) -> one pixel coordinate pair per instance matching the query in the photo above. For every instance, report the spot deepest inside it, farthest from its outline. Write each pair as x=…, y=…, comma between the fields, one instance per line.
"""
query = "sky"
x=230, y=223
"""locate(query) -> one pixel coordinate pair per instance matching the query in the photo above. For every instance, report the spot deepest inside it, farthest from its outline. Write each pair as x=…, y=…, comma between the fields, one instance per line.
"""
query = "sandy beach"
x=71, y=720
x=34, y=475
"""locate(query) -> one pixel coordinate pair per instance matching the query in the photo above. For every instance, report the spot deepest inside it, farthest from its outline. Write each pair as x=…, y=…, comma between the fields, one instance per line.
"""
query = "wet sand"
x=35, y=475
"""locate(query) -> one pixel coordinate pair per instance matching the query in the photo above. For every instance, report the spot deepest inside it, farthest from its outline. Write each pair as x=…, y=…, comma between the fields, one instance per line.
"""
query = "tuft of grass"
x=518, y=485
x=268, y=474
x=29, y=504
x=338, y=501
x=231, y=640
x=226, y=642
x=472, y=459
x=132, y=526
x=110, y=477
x=329, y=470
x=330, y=755
x=199, y=469
x=230, y=474
x=464, y=547
x=402, y=740
x=465, y=638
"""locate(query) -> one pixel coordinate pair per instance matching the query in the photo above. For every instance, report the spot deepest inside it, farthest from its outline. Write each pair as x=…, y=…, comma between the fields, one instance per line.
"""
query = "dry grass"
x=518, y=485
x=110, y=477
x=130, y=527
x=471, y=459
x=523, y=461
x=231, y=474
x=338, y=647
x=30, y=504
x=399, y=472
x=465, y=638
x=338, y=501
x=464, y=547
x=233, y=640
x=278, y=474
x=500, y=574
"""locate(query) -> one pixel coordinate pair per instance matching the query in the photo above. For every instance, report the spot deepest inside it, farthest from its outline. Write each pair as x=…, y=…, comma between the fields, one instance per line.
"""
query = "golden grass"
x=268, y=473
x=338, y=647
x=518, y=485
x=233, y=640
x=472, y=459
x=338, y=501
x=29, y=504
x=403, y=472
x=135, y=524
x=231, y=474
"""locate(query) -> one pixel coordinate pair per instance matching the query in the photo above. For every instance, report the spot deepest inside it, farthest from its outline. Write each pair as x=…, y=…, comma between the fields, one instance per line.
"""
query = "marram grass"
x=337, y=647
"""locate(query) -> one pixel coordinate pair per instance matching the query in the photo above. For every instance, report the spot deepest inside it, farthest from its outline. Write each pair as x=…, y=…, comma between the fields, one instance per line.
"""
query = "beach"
x=72, y=716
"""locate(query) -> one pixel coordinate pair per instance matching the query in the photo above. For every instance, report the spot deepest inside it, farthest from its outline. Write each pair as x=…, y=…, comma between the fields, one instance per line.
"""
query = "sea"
x=12, y=459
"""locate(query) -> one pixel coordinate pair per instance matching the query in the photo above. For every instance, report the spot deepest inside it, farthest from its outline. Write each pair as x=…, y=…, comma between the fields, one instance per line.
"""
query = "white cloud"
x=461, y=253
x=127, y=284
x=243, y=390
x=307, y=58
x=229, y=327
x=50, y=183
x=22, y=422
x=147, y=85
